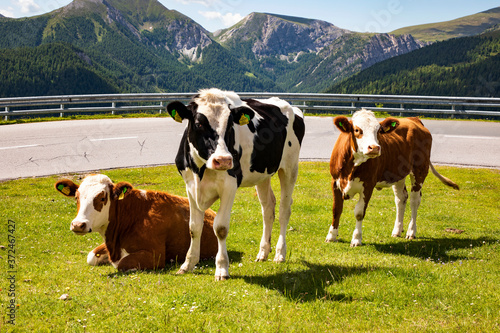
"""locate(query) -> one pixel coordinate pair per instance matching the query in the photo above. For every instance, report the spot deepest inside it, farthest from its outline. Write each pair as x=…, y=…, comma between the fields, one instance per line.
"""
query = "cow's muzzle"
x=79, y=228
x=222, y=163
x=373, y=151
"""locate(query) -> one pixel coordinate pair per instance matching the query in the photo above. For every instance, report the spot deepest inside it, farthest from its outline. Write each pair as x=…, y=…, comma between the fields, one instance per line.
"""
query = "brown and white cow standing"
x=369, y=155
x=141, y=229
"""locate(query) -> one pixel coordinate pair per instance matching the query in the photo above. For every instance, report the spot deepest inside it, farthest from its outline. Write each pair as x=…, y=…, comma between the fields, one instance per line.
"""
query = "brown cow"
x=141, y=229
x=369, y=155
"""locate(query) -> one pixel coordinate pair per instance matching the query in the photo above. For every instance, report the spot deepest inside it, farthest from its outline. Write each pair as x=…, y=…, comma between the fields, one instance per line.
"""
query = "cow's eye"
x=199, y=126
x=103, y=199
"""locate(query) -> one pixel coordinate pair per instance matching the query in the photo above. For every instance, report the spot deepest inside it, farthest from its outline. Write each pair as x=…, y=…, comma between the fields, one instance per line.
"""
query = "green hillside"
x=51, y=69
x=468, y=66
x=465, y=26
x=138, y=46
x=126, y=42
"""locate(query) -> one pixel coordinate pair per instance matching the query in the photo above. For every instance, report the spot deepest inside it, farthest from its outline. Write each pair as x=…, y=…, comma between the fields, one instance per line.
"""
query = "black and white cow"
x=228, y=143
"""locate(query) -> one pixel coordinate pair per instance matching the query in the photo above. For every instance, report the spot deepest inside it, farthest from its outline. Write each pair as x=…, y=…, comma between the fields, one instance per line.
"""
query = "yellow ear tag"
x=176, y=116
x=64, y=189
x=388, y=128
x=244, y=120
x=122, y=195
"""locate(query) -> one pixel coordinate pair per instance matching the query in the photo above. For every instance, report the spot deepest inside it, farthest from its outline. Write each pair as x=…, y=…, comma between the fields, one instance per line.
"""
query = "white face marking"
x=213, y=104
x=366, y=128
x=93, y=192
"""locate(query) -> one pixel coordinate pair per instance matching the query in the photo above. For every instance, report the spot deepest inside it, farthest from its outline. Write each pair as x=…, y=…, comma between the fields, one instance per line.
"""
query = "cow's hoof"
x=221, y=278
x=279, y=258
x=331, y=240
x=356, y=243
x=261, y=257
x=410, y=237
x=396, y=235
x=181, y=271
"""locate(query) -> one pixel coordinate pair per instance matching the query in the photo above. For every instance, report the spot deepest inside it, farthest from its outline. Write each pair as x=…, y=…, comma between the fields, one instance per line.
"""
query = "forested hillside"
x=101, y=46
x=51, y=69
x=467, y=66
x=121, y=45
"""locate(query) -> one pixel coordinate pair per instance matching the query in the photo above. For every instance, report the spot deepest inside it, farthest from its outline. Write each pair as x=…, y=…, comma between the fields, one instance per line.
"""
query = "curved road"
x=40, y=149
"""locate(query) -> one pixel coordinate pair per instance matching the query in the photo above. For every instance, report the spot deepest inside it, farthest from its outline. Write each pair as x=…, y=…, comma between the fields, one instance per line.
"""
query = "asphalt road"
x=40, y=149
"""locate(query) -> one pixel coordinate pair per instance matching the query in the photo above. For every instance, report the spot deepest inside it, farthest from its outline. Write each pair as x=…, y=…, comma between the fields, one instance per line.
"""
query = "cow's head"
x=364, y=130
x=210, y=133
x=93, y=198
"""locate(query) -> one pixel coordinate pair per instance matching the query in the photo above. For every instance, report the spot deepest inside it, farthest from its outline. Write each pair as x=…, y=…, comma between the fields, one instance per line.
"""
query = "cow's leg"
x=98, y=256
x=415, y=198
x=359, y=214
x=221, y=229
x=268, y=203
x=195, y=228
x=141, y=260
x=288, y=177
x=400, y=197
x=338, y=206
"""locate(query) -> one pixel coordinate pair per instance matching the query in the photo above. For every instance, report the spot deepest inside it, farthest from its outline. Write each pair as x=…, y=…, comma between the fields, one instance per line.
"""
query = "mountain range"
x=462, y=27
x=141, y=46
x=467, y=66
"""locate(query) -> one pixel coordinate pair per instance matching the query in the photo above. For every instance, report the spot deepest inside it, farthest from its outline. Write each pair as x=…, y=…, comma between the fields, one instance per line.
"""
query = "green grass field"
x=442, y=281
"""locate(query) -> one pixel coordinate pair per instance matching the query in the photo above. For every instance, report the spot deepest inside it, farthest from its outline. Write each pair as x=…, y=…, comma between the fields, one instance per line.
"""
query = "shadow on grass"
x=435, y=249
x=309, y=284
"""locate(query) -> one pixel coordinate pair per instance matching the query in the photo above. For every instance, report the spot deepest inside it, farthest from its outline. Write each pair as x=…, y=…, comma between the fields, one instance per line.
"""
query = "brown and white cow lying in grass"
x=369, y=154
x=141, y=229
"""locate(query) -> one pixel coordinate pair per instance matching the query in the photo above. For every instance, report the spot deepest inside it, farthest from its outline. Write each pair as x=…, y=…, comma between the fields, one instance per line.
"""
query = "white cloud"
x=206, y=3
x=228, y=19
x=7, y=12
x=27, y=6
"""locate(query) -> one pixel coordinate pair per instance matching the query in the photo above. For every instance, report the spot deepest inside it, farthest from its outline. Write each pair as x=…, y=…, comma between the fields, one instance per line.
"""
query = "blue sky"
x=356, y=15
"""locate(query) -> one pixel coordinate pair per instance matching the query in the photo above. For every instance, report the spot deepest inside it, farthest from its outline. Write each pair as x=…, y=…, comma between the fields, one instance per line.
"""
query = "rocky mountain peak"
x=282, y=35
x=385, y=46
x=147, y=20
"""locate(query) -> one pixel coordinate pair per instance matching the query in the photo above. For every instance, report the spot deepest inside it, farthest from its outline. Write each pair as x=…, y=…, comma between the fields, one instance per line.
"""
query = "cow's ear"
x=343, y=124
x=121, y=190
x=388, y=125
x=178, y=111
x=66, y=187
x=242, y=115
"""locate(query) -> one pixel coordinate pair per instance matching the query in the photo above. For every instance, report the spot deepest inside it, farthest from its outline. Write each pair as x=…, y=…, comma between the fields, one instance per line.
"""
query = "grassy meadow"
x=448, y=279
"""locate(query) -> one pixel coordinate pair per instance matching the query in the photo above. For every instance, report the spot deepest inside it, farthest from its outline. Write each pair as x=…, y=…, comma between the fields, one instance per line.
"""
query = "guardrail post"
x=161, y=107
x=61, y=114
x=402, y=108
x=113, y=106
x=453, y=108
x=7, y=109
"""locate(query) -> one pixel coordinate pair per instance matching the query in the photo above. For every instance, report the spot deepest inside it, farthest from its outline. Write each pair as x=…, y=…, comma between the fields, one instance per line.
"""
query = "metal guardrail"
x=315, y=103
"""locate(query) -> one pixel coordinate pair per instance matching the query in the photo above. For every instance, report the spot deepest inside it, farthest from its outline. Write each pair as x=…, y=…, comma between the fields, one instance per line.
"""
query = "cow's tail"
x=443, y=179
